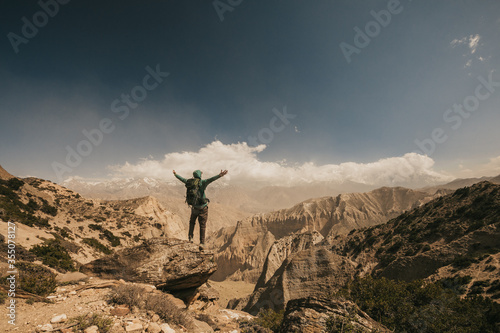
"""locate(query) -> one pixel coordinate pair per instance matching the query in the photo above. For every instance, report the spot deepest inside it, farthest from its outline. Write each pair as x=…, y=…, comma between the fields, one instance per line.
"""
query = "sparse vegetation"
x=95, y=227
x=114, y=240
x=336, y=324
x=21, y=252
x=126, y=294
x=268, y=320
x=106, y=234
x=3, y=296
x=12, y=209
x=416, y=306
x=136, y=296
x=490, y=268
x=64, y=233
x=48, y=209
x=494, y=288
x=13, y=183
x=462, y=262
x=36, y=279
x=445, y=219
x=54, y=255
x=97, y=245
x=103, y=322
x=477, y=287
x=457, y=284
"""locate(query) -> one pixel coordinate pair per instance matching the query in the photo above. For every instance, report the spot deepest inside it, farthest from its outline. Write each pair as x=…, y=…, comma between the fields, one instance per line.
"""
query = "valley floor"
x=231, y=289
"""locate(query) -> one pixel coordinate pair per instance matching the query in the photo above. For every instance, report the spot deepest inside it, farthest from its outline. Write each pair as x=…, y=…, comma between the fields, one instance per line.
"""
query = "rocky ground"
x=79, y=295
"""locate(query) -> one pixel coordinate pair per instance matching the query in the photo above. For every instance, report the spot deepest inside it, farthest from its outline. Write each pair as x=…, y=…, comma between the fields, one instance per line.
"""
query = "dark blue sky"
x=226, y=77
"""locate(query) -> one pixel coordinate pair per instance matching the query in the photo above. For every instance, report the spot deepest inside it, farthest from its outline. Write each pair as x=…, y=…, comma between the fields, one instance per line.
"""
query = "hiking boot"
x=202, y=247
x=190, y=240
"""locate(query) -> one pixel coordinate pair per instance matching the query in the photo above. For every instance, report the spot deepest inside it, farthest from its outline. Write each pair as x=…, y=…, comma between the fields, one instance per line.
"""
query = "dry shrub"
x=133, y=295
x=36, y=279
x=104, y=323
x=161, y=305
x=127, y=294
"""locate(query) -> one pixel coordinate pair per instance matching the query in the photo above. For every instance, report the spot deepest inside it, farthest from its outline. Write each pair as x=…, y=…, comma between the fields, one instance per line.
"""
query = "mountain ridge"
x=4, y=174
x=242, y=248
x=453, y=239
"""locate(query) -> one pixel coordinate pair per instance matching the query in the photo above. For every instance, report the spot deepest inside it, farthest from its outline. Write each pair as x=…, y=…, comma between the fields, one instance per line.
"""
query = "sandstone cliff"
x=243, y=248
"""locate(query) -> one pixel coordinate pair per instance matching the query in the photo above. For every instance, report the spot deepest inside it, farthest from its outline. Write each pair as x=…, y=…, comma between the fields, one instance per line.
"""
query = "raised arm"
x=182, y=179
x=221, y=174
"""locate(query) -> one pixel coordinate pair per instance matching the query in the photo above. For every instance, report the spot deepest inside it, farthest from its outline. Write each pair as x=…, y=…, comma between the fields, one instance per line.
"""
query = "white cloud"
x=245, y=168
x=471, y=41
x=457, y=42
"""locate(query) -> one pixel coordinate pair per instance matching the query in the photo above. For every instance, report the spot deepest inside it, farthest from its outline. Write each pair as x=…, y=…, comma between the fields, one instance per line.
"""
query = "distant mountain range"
x=243, y=199
x=247, y=200
x=461, y=182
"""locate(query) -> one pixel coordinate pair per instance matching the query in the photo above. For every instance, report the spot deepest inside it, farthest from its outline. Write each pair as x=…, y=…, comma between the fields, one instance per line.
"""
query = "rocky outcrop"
x=166, y=263
x=313, y=314
x=242, y=250
x=284, y=248
x=312, y=272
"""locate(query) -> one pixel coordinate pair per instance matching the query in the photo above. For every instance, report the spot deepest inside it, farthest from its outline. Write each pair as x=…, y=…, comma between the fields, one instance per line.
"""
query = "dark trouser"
x=202, y=216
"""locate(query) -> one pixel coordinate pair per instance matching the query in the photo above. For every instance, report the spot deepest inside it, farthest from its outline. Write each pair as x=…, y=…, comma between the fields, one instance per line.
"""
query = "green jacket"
x=203, y=185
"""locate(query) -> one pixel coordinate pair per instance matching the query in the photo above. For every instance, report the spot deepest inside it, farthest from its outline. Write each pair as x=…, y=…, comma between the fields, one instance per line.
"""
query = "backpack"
x=193, y=191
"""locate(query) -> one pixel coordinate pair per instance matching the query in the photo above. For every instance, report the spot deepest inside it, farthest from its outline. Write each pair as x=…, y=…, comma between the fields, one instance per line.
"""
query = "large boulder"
x=168, y=263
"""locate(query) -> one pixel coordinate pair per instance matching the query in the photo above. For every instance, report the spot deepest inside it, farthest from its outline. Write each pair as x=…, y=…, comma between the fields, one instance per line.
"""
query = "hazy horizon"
x=384, y=93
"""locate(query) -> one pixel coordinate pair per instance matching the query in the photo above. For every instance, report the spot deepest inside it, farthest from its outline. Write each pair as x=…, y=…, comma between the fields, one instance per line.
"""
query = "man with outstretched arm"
x=199, y=209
